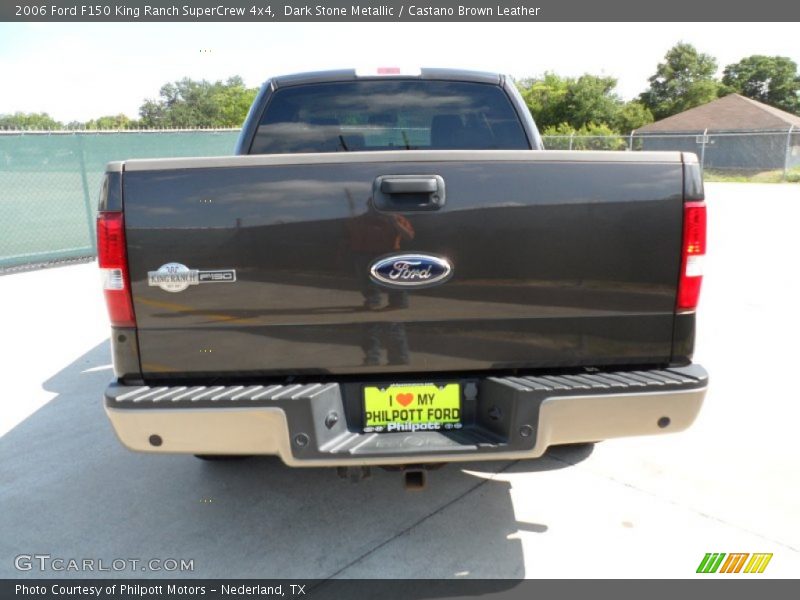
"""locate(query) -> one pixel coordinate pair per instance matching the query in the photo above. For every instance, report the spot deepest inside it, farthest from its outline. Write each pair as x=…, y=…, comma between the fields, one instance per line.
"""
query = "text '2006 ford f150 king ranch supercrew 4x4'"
x=392, y=271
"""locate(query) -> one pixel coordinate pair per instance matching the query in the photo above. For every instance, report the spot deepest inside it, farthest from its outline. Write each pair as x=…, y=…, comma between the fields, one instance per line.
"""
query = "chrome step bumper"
x=318, y=424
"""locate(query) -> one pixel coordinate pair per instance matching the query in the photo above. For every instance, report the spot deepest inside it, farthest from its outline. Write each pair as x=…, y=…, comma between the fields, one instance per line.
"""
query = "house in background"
x=733, y=132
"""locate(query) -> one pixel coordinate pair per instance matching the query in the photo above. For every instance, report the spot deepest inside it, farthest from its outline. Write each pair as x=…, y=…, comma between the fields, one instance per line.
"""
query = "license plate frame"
x=386, y=408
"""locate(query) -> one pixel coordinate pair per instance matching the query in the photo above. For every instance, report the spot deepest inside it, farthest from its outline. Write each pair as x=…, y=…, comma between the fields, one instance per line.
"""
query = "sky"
x=79, y=71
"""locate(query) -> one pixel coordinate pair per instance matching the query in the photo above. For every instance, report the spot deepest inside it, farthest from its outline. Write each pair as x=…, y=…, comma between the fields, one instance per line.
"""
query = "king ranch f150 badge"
x=175, y=277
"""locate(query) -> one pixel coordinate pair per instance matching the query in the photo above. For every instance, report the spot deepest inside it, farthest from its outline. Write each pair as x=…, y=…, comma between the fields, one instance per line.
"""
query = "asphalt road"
x=644, y=507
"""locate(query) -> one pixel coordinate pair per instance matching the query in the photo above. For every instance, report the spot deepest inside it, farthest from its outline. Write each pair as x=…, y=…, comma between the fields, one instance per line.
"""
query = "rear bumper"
x=319, y=424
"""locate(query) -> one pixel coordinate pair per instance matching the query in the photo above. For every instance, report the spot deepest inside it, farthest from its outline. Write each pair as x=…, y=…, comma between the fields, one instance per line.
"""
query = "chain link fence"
x=736, y=152
x=49, y=181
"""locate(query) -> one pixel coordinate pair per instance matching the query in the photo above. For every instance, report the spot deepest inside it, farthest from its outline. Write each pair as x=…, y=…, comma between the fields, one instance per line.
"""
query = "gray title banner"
x=419, y=589
x=400, y=10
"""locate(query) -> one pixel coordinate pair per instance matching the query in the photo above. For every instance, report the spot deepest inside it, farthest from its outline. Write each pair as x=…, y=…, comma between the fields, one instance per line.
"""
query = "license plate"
x=412, y=407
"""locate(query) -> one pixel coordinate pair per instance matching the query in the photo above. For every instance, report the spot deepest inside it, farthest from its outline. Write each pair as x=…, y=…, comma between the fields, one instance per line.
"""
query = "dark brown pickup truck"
x=393, y=271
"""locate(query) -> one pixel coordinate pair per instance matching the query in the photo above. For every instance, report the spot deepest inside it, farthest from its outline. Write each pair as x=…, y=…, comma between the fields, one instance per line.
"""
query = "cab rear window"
x=389, y=115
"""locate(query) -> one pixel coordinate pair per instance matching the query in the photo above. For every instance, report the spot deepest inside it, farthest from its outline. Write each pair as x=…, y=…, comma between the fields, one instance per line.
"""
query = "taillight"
x=113, y=261
x=692, y=255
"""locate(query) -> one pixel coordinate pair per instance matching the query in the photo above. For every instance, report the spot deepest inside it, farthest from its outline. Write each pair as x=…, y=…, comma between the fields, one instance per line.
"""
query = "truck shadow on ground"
x=69, y=489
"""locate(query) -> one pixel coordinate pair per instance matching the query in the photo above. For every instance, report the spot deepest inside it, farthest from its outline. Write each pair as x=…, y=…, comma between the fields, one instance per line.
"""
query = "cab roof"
x=353, y=75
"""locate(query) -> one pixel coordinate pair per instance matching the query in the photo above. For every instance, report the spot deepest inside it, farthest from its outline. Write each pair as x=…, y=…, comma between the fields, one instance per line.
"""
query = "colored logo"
x=175, y=277
x=410, y=270
x=742, y=562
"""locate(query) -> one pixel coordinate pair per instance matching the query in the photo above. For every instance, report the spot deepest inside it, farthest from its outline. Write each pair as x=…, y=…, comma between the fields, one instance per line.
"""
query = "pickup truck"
x=391, y=270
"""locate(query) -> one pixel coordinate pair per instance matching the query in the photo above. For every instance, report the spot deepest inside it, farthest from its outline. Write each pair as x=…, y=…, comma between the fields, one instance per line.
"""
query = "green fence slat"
x=49, y=184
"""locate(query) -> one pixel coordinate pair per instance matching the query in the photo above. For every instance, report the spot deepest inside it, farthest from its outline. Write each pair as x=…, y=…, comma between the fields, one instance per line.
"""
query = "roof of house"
x=730, y=113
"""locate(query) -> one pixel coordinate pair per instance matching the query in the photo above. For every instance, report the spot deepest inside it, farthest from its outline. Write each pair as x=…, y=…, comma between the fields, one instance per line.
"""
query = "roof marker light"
x=388, y=72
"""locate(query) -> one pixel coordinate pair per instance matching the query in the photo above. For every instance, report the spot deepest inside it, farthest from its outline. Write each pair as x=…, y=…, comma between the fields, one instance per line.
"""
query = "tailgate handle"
x=408, y=192
x=408, y=186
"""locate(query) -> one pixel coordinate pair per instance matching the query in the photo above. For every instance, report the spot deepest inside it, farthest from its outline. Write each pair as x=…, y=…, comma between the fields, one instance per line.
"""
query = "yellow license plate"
x=412, y=407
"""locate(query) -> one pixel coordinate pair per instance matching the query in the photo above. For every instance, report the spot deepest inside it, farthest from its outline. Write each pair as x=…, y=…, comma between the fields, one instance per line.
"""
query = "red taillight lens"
x=692, y=255
x=113, y=261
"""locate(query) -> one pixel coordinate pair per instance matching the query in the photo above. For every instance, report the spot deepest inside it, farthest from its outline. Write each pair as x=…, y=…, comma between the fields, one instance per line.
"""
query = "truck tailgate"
x=558, y=259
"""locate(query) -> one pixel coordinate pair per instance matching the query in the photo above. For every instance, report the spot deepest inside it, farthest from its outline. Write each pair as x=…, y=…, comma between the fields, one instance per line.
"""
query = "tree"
x=684, y=80
x=630, y=116
x=21, y=120
x=119, y=121
x=190, y=103
x=554, y=100
x=591, y=136
x=544, y=98
x=773, y=80
x=591, y=99
x=577, y=103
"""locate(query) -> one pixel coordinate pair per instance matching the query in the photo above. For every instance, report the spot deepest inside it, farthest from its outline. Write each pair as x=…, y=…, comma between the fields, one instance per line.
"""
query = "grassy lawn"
x=793, y=176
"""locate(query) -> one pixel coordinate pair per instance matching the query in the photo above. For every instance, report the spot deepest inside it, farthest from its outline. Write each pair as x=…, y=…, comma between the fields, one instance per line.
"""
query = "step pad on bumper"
x=201, y=395
x=616, y=380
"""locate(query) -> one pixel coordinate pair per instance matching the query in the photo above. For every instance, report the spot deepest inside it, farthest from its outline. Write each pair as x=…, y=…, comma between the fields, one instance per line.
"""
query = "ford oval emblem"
x=410, y=270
